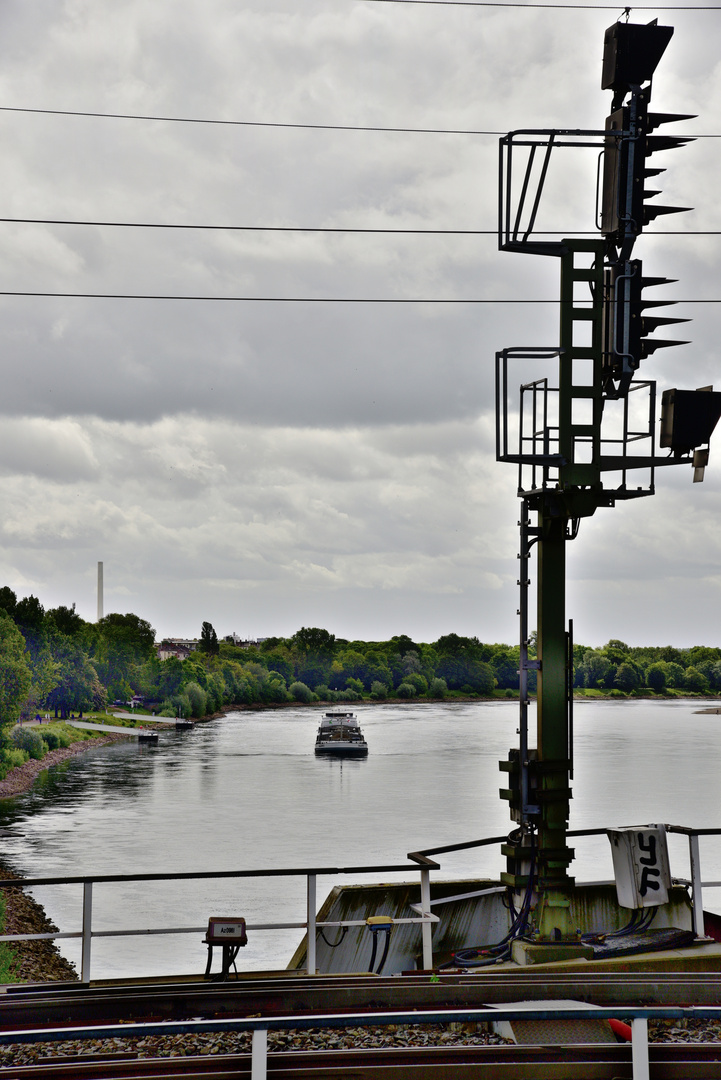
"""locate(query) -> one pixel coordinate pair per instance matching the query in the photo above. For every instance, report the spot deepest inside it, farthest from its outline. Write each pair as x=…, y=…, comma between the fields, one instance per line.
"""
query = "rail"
x=638, y=1018
x=421, y=862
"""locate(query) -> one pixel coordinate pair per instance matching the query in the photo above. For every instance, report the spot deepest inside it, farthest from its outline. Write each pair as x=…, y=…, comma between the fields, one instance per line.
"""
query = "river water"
x=246, y=792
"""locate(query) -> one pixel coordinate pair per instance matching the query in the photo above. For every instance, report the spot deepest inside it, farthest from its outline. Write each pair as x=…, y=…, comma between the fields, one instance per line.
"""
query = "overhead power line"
x=248, y=123
x=574, y=7
x=277, y=124
x=301, y=299
x=326, y=229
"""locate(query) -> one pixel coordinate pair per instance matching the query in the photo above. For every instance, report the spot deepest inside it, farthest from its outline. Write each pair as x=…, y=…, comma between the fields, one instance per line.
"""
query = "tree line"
x=54, y=661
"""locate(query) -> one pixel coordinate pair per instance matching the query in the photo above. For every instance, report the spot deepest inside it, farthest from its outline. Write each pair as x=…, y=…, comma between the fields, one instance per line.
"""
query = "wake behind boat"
x=339, y=735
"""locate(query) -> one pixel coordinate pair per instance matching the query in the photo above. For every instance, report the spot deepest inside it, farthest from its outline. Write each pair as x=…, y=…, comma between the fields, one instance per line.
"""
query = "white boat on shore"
x=339, y=735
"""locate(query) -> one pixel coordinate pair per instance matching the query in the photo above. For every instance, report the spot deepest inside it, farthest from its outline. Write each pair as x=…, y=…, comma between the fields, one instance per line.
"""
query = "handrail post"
x=426, y=925
x=696, y=896
x=639, y=1048
x=259, y=1054
x=87, y=930
x=310, y=936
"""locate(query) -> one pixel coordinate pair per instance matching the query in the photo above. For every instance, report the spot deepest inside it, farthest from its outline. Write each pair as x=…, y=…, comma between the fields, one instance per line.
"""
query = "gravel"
x=229, y=1043
x=168, y=1046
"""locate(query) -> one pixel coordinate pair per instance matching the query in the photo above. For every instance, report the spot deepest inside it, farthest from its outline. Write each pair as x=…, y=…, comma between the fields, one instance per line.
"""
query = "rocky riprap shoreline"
x=36, y=961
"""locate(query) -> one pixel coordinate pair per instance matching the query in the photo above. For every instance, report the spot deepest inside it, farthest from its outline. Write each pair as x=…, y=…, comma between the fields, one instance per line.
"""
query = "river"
x=247, y=792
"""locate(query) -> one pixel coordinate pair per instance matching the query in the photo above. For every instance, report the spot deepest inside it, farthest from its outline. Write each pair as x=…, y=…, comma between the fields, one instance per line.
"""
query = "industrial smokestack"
x=100, y=591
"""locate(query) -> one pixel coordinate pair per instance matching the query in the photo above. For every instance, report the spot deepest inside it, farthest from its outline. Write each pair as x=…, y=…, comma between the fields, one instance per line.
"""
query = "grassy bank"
x=34, y=742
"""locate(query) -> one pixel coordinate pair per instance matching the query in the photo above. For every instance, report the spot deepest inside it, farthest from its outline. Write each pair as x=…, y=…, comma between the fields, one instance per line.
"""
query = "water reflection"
x=247, y=792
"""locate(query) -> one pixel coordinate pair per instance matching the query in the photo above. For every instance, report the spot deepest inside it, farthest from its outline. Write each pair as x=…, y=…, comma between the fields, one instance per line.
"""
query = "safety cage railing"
x=519, y=198
x=627, y=437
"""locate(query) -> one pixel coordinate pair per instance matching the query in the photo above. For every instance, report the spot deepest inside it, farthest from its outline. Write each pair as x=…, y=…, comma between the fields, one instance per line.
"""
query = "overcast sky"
x=266, y=465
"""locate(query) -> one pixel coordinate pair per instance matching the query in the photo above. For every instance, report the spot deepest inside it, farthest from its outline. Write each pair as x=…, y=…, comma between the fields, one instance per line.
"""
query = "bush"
x=29, y=740
x=198, y=699
x=51, y=739
x=406, y=690
x=301, y=692
x=273, y=689
x=180, y=704
x=348, y=695
x=438, y=688
x=11, y=759
x=379, y=690
x=416, y=680
x=321, y=692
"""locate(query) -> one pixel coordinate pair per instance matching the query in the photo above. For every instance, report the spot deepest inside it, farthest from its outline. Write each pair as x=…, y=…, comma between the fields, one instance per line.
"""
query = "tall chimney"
x=100, y=591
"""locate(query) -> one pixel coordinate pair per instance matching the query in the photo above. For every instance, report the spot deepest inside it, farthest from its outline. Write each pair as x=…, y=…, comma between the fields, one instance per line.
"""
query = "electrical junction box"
x=230, y=931
x=640, y=865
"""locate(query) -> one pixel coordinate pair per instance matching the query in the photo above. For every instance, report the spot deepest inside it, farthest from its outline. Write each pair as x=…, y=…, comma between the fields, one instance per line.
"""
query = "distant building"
x=243, y=643
x=180, y=647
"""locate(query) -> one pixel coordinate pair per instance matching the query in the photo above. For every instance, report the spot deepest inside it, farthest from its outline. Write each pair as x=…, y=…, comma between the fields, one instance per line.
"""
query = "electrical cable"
x=306, y=299
x=485, y=955
x=250, y=123
x=334, y=944
x=323, y=228
x=573, y=7
x=384, y=957
x=296, y=126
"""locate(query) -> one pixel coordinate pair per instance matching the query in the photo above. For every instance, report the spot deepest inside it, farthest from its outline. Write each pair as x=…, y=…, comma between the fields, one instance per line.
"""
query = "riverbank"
x=22, y=778
x=35, y=961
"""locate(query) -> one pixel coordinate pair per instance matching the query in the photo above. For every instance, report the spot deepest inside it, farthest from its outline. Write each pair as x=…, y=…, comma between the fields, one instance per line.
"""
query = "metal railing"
x=425, y=918
x=422, y=862
x=637, y=1016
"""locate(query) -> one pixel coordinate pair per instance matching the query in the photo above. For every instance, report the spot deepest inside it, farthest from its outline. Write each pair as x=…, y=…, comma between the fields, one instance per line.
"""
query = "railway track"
x=595, y=1062
x=71, y=1007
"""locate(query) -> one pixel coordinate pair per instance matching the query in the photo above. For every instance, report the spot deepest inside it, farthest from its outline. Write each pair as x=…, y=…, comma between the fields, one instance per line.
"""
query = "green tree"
x=14, y=671
x=301, y=692
x=77, y=686
x=8, y=601
x=208, y=640
x=66, y=620
x=438, y=688
x=675, y=674
x=122, y=644
x=29, y=617
x=594, y=668
x=695, y=680
x=170, y=677
x=627, y=678
x=313, y=651
x=656, y=677
x=460, y=664
x=198, y=699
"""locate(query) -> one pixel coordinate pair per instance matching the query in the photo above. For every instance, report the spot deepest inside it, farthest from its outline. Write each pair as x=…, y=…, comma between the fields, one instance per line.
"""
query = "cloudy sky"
x=283, y=454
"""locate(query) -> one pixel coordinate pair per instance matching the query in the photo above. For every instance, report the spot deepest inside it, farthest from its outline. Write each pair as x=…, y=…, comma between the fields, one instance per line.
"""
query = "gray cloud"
x=268, y=465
